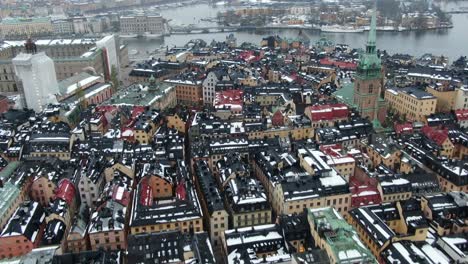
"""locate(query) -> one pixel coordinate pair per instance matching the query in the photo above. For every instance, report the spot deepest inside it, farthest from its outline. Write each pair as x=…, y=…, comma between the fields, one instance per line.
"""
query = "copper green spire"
x=369, y=62
x=371, y=38
x=152, y=83
x=372, y=53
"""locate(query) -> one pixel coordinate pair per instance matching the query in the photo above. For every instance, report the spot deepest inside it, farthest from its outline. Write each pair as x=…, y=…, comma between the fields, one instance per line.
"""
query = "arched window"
x=371, y=88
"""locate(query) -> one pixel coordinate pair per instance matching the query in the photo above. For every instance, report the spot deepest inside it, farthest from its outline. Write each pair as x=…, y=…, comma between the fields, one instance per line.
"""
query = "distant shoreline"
x=202, y=30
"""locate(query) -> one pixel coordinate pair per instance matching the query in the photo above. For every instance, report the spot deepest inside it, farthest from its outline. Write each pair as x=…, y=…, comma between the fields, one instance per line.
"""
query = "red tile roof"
x=249, y=56
x=66, y=191
x=364, y=192
x=106, y=108
x=462, y=114
x=436, y=135
x=137, y=111
x=332, y=150
x=181, y=192
x=233, y=98
x=404, y=128
x=328, y=112
x=146, y=193
x=340, y=64
x=121, y=194
x=277, y=119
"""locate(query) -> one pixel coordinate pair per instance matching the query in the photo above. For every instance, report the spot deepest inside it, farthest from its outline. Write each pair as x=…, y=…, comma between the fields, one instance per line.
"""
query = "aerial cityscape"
x=233, y=132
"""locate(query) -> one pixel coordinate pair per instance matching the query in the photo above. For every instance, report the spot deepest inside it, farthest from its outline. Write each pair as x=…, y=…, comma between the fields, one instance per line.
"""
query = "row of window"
x=76, y=246
x=247, y=216
x=168, y=226
x=329, y=203
x=106, y=240
x=152, y=228
x=397, y=197
x=9, y=87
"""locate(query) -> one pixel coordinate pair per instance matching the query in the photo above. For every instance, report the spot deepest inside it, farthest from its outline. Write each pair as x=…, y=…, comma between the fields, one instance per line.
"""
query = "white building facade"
x=140, y=24
x=80, y=25
x=63, y=27
x=37, y=73
x=209, y=85
x=461, y=98
x=111, y=48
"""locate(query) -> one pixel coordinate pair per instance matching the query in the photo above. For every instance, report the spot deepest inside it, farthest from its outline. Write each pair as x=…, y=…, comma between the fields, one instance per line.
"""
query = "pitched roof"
x=328, y=112
x=66, y=191
x=438, y=136
x=340, y=64
x=26, y=221
x=403, y=128
x=462, y=115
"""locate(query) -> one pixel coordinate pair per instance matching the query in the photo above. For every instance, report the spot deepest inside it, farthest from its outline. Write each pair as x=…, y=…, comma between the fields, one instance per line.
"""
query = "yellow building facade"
x=412, y=103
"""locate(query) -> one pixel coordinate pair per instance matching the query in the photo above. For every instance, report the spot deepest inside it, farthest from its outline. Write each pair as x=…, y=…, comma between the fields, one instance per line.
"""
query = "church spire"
x=371, y=38
x=371, y=49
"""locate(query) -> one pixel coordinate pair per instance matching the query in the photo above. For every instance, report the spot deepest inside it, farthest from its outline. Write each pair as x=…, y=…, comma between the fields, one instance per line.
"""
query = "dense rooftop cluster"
x=243, y=154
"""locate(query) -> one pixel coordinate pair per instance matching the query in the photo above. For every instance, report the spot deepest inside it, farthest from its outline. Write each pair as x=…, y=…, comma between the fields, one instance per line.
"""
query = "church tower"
x=368, y=78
